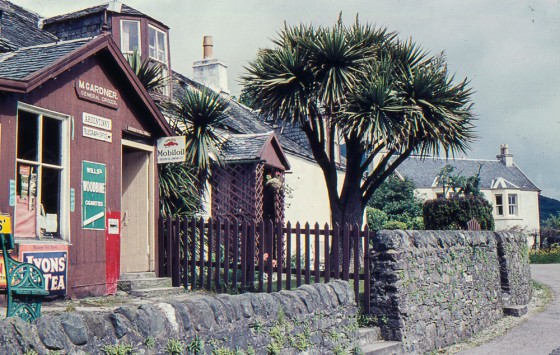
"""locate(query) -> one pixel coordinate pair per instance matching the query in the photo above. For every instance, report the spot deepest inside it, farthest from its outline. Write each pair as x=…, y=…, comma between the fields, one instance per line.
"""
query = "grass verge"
x=545, y=256
x=542, y=295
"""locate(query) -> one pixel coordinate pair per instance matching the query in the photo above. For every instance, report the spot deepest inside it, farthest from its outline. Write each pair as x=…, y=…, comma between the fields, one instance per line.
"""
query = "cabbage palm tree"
x=198, y=114
x=383, y=98
x=149, y=73
x=178, y=183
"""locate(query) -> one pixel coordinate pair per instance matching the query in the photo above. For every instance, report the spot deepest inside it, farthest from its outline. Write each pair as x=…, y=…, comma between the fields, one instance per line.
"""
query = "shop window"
x=512, y=204
x=40, y=173
x=499, y=205
x=130, y=36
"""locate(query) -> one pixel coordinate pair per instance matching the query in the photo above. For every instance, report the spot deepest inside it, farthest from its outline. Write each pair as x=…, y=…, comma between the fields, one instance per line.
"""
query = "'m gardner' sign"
x=97, y=93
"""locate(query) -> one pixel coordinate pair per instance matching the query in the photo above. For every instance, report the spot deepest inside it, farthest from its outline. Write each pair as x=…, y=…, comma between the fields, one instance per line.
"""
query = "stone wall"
x=431, y=289
x=514, y=267
x=319, y=318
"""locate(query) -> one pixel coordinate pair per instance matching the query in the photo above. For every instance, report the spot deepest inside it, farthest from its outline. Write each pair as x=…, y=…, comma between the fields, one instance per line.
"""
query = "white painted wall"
x=308, y=200
x=527, y=217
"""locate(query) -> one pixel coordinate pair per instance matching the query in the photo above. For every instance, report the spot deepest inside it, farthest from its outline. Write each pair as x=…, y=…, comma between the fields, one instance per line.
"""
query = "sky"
x=509, y=50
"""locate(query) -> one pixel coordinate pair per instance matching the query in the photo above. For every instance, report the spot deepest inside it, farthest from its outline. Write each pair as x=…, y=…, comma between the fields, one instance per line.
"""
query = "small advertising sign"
x=93, y=195
x=171, y=150
x=52, y=260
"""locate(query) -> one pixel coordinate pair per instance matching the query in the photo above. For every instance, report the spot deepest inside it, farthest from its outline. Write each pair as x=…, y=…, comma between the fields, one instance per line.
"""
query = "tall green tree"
x=382, y=97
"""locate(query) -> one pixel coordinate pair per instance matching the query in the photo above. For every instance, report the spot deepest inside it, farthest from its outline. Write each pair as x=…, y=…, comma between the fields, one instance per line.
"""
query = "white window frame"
x=165, y=62
x=127, y=52
x=499, y=207
x=64, y=211
x=513, y=208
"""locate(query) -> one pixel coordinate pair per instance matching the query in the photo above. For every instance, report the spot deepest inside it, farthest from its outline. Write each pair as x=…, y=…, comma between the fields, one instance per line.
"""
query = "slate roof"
x=242, y=120
x=125, y=10
x=424, y=172
x=20, y=27
x=19, y=64
x=244, y=147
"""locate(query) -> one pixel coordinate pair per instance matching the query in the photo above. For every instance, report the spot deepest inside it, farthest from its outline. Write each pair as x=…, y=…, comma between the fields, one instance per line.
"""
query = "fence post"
x=367, y=272
x=279, y=256
x=226, y=251
x=201, y=253
x=261, y=256
x=175, y=254
x=307, y=254
x=169, y=247
x=327, y=254
x=298, y=255
x=269, y=242
x=288, y=256
x=346, y=252
x=217, y=256
x=184, y=245
x=161, y=246
x=356, y=242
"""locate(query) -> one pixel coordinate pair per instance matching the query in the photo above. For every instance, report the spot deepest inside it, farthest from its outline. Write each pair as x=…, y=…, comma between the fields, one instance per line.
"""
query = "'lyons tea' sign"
x=53, y=265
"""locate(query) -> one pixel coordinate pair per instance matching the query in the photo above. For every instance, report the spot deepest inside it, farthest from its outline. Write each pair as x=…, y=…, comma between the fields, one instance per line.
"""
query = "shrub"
x=454, y=213
x=395, y=225
x=375, y=218
x=545, y=256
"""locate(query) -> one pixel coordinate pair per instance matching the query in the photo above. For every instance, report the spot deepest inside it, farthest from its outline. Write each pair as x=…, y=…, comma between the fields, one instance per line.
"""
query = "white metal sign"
x=171, y=150
x=97, y=134
x=96, y=121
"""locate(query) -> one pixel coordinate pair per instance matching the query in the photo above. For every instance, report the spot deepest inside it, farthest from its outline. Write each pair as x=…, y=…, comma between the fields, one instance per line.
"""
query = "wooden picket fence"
x=240, y=256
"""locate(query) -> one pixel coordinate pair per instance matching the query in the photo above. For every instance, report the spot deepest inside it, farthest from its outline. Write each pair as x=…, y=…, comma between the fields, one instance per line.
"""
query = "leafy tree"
x=465, y=204
x=552, y=222
x=380, y=96
x=395, y=197
x=456, y=212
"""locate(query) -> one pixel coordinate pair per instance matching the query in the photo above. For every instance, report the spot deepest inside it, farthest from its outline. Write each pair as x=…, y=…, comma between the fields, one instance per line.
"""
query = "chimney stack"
x=505, y=157
x=208, y=46
x=210, y=71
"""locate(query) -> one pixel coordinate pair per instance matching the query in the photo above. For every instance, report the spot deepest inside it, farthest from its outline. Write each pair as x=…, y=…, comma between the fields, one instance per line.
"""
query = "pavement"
x=540, y=334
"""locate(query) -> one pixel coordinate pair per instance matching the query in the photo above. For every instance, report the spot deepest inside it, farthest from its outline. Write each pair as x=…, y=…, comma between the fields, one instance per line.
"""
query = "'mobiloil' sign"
x=171, y=150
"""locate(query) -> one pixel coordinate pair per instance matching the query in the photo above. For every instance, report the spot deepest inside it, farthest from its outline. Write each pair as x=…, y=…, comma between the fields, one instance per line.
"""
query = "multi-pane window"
x=512, y=204
x=130, y=36
x=499, y=205
x=158, y=44
x=40, y=172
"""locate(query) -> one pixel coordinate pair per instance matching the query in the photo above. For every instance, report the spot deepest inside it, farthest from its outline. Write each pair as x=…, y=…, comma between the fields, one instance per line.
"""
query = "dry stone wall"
x=317, y=319
x=431, y=289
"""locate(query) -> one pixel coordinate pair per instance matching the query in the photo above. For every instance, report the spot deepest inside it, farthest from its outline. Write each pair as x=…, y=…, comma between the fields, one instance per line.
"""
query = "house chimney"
x=208, y=45
x=505, y=157
x=210, y=71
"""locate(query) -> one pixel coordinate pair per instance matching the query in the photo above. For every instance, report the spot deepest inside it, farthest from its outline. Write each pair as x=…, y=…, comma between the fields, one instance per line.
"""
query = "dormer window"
x=158, y=45
x=130, y=36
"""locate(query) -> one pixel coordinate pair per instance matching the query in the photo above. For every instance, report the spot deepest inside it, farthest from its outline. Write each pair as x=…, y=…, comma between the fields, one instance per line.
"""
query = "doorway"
x=137, y=215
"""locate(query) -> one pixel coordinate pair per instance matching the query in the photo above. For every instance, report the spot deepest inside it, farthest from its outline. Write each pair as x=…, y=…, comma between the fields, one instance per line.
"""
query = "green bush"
x=375, y=218
x=395, y=225
x=454, y=213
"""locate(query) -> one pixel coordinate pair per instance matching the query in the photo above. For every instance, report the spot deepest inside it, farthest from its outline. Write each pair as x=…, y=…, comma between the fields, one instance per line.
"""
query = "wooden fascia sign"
x=171, y=150
x=97, y=93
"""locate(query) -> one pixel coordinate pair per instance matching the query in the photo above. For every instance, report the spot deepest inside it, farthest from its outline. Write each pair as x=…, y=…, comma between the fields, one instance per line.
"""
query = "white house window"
x=158, y=45
x=130, y=36
x=512, y=204
x=41, y=173
x=499, y=205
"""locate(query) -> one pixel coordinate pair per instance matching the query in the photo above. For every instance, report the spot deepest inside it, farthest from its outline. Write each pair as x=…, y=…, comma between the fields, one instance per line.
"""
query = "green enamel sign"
x=94, y=177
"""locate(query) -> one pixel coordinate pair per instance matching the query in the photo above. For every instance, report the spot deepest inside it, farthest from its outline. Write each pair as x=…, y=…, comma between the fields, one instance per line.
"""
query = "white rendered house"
x=515, y=199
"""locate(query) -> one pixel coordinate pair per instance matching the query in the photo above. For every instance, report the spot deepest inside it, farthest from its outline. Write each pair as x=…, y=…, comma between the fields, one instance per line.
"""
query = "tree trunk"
x=350, y=213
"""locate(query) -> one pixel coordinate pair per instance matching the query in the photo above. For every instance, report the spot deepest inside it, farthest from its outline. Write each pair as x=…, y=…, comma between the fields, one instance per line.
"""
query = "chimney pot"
x=505, y=157
x=208, y=46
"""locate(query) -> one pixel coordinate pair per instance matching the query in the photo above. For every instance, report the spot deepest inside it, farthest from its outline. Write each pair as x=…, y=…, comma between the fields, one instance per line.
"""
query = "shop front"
x=77, y=147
